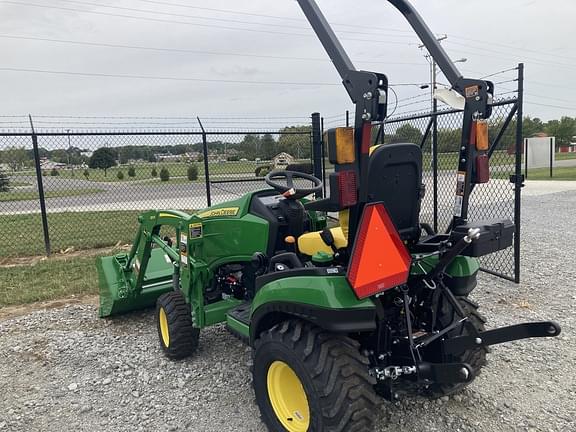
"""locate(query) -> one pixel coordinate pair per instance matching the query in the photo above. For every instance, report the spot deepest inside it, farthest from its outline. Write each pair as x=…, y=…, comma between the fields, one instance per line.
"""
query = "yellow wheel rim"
x=164, y=327
x=288, y=398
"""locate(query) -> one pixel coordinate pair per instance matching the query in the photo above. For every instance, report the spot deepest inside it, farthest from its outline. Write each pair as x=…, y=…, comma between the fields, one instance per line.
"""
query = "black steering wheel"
x=288, y=190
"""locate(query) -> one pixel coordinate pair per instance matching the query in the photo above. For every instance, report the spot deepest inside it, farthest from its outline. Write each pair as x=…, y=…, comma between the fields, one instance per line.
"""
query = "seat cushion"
x=311, y=243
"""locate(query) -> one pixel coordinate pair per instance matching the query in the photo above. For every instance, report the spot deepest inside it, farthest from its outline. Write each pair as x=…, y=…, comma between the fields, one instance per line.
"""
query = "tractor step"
x=238, y=321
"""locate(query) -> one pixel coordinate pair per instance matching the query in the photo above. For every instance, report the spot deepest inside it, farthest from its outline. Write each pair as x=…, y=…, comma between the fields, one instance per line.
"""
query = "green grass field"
x=143, y=171
x=33, y=195
x=565, y=156
x=559, y=173
x=48, y=280
x=21, y=235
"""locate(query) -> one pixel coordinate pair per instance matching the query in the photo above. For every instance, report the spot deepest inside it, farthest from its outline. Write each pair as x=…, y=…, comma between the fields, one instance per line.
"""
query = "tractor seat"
x=311, y=243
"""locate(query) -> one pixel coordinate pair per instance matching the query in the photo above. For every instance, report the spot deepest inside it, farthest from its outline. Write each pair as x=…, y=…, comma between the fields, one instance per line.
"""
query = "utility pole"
x=68, y=152
x=434, y=119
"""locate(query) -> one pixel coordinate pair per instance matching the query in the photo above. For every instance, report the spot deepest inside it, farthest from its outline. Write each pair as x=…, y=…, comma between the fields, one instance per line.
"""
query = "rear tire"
x=307, y=379
x=475, y=358
x=178, y=337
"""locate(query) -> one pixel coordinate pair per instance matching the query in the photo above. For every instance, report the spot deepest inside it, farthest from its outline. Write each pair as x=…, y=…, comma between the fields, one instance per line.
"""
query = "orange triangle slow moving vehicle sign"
x=380, y=260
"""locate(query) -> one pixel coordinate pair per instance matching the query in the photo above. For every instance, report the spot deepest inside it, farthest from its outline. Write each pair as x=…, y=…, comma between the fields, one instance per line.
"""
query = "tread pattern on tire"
x=338, y=370
x=475, y=357
x=183, y=335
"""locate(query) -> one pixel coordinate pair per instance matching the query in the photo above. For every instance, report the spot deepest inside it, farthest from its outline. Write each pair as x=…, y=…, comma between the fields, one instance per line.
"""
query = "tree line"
x=294, y=140
x=449, y=138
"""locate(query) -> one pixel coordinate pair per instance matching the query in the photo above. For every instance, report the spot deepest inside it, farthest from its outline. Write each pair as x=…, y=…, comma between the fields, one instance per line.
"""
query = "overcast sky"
x=265, y=41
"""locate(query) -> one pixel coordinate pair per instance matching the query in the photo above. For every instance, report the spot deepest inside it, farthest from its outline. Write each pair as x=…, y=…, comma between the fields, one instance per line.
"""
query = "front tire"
x=306, y=379
x=178, y=336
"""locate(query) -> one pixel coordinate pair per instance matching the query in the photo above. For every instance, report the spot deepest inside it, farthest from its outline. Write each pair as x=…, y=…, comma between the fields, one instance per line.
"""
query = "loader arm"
x=369, y=92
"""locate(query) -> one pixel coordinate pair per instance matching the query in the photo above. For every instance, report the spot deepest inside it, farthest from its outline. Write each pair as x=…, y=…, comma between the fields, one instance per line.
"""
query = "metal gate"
x=439, y=137
x=439, y=134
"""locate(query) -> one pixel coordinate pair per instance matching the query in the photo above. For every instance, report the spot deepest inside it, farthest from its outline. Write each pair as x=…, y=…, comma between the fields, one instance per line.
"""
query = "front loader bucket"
x=116, y=293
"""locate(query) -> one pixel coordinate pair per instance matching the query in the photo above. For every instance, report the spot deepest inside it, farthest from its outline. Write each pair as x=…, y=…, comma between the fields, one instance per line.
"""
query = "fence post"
x=40, y=184
x=552, y=149
x=434, y=145
x=317, y=147
x=518, y=171
x=323, y=156
x=206, y=166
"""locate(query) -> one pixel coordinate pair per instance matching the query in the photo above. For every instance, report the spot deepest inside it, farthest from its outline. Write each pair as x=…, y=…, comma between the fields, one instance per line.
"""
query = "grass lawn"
x=48, y=280
x=21, y=235
x=559, y=173
x=143, y=171
x=565, y=156
x=33, y=195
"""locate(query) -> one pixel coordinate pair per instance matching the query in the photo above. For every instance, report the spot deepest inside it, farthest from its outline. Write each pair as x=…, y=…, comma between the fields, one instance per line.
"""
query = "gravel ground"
x=64, y=369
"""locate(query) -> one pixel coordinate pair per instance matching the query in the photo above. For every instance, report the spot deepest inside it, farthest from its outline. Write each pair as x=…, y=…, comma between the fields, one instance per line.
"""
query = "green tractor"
x=340, y=316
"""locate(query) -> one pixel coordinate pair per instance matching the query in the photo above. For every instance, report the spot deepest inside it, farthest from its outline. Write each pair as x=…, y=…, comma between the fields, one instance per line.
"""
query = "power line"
x=531, y=59
x=305, y=28
x=182, y=50
x=550, y=106
x=68, y=9
x=266, y=16
x=514, y=47
x=499, y=72
x=166, y=78
x=548, y=97
x=483, y=42
x=153, y=77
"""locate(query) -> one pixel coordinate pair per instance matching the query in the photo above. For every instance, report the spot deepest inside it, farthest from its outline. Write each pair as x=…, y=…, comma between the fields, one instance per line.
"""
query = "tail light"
x=479, y=139
x=380, y=260
x=347, y=189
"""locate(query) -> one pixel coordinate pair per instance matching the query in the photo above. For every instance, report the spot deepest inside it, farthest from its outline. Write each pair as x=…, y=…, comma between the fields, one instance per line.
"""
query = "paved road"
x=143, y=195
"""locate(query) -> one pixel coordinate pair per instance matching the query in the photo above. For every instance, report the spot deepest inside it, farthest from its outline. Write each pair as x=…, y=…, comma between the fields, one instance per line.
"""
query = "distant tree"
x=86, y=174
x=54, y=172
x=249, y=147
x=120, y=175
x=296, y=142
x=532, y=126
x=103, y=158
x=15, y=157
x=151, y=158
x=268, y=147
x=164, y=174
x=408, y=134
x=4, y=182
x=564, y=130
x=154, y=173
x=131, y=172
x=192, y=172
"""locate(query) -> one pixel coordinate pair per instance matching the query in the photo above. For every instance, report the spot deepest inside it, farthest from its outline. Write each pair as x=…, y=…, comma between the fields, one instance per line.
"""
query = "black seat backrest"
x=395, y=178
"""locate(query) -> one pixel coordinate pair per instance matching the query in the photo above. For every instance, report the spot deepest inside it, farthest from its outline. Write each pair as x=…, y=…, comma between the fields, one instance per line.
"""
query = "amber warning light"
x=380, y=260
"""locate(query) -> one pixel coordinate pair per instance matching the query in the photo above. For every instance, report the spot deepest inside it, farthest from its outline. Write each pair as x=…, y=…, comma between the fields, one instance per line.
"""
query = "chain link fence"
x=94, y=183
x=498, y=199
x=493, y=200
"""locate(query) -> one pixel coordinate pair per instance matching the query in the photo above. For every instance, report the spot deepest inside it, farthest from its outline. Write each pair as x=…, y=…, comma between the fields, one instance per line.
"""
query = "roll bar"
x=369, y=93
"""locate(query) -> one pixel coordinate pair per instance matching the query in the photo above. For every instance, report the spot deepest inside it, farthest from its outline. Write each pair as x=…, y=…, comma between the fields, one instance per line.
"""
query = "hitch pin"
x=473, y=234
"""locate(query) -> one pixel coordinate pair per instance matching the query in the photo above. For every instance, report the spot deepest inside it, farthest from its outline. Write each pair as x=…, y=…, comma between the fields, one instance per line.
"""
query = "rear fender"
x=325, y=301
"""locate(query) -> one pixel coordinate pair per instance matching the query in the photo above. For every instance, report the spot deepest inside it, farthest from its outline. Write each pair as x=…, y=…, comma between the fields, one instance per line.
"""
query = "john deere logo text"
x=221, y=212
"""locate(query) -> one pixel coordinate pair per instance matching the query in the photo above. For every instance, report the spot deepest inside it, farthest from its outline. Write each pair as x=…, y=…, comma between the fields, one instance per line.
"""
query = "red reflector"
x=366, y=138
x=380, y=260
x=482, y=169
x=347, y=192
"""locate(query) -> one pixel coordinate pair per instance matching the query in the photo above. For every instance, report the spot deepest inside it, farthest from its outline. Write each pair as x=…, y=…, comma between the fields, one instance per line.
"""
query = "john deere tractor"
x=337, y=317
